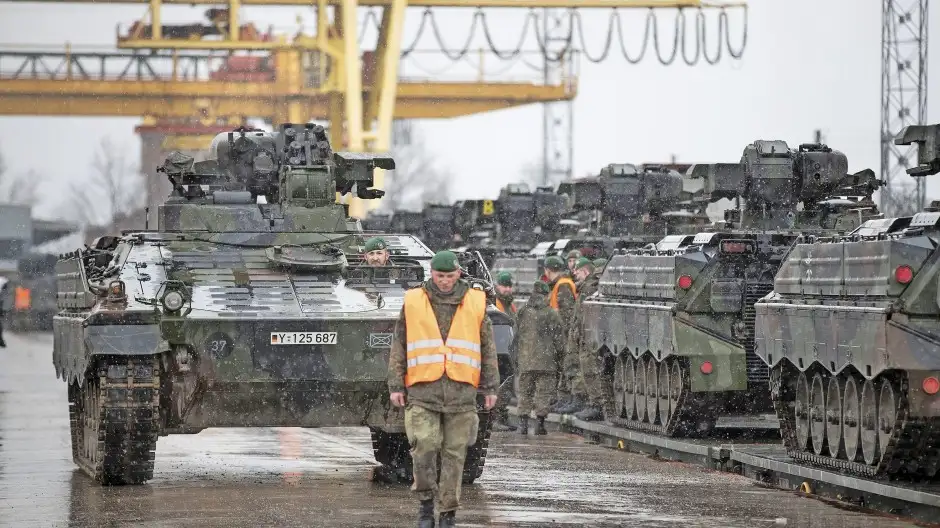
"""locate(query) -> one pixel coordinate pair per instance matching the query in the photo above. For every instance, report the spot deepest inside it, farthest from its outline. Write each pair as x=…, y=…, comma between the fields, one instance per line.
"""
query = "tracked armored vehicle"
x=851, y=333
x=676, y=320
x=249, y=306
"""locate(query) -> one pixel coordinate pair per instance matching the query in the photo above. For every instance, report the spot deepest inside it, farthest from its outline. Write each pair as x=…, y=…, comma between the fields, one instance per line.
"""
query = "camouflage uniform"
x=507, y=300
x=3, y=298
x=540, y=342
x=566, y=304
x=441, y=416
x=506, y=369
x=592, y=367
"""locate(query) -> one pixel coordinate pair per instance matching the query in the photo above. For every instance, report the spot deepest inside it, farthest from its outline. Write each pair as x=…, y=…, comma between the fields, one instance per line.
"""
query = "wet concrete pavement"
x=304, y=477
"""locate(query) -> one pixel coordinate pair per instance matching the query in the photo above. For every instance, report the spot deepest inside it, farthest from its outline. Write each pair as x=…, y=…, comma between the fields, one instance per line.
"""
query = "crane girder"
x=533, y=4
x=414, y=100
x=285, y=88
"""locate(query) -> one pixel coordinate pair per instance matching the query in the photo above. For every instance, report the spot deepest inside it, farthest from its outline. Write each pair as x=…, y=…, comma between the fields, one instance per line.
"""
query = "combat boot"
x=426, y=514
x=591, y=413
x=540, y=426
x=524, y=425
x=501, y=425
x=448, y=520
x=577, y=403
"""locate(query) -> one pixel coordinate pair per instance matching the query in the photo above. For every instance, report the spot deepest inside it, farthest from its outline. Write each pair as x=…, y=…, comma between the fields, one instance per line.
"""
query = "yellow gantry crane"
x=175, y=79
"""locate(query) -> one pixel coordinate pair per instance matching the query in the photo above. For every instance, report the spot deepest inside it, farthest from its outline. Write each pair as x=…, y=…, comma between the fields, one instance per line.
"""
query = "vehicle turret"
x=256, y=181
x=781, y=187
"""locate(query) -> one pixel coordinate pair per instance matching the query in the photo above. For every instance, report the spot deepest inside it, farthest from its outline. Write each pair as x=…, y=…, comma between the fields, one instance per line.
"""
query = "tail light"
x=904, y=274
x=685, y=282
x=706, y=367
x=931, y=385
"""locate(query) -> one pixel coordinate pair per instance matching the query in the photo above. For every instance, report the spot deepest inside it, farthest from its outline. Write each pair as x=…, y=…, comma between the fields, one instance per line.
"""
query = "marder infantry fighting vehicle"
x=676, y=321
x=851, y=333
x=249, y=306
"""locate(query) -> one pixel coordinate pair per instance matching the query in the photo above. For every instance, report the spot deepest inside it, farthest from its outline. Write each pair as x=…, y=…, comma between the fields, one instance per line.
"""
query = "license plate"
x=303, y=338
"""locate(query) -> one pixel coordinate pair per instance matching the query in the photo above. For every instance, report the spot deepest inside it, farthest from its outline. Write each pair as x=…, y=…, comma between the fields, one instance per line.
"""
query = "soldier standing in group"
x=504, y=293
x=504, y=304
x=3, y=300
x=591, y=365
x=376, y=252
x=540, y=342
x=562, y=299
x=574, y=378
x=442, y=352
x=573, y=257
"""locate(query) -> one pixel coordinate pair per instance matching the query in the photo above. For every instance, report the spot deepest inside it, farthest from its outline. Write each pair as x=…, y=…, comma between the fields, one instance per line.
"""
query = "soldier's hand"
x=489, y=401
x=398, y=399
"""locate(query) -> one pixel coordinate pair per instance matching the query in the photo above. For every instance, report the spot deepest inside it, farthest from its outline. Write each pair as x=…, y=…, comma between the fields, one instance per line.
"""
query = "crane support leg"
x=380, y=107
x=352, y=71
x=156, y=20
x=382, y=97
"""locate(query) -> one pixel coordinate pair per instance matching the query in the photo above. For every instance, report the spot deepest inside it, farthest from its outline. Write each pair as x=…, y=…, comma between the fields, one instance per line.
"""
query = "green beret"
x=540, y=287
x=599, y=263
x=574, y=253
x=444, y=261
x=583, y=261
x=554, y=263
x=375, y=244
x=504, y=278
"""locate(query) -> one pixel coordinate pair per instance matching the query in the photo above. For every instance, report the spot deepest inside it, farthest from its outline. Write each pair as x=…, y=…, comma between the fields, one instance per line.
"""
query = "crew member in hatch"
x=376, y=252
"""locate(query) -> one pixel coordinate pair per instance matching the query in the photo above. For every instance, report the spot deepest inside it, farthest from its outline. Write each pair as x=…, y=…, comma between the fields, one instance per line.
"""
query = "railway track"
x=764, y=459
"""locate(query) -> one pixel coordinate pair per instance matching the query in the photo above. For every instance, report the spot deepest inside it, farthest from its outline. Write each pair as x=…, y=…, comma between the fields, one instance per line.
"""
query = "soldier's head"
x=376, y=252
x=573, y=257
x=540, y=289
x=600, y=263
x=444, y=270
x=504, y=283
x=583, y=269
x=554, y=268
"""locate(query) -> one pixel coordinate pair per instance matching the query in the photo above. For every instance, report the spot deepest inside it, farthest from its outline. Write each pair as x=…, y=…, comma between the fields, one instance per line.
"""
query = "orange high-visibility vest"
x=553, y=301
x=21, y=300
x=502, y=308
x=429, y=357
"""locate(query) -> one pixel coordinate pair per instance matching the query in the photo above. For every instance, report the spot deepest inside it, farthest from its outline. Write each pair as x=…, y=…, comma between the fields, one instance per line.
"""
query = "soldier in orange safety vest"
x=562, y=298
x=504, y=297
x=3, y=298
x=442, y=354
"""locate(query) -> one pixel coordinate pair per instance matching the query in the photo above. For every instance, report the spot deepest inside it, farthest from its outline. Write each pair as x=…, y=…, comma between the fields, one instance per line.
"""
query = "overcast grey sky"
x=808, y=64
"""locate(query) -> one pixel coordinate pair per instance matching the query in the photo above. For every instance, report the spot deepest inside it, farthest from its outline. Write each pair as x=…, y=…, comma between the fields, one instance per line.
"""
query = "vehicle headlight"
x=173, y=301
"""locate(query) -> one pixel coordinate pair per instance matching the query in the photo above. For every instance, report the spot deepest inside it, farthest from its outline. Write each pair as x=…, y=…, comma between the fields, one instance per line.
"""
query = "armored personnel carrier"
x=249, y=306
x=676, y=319
x=851, y=334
